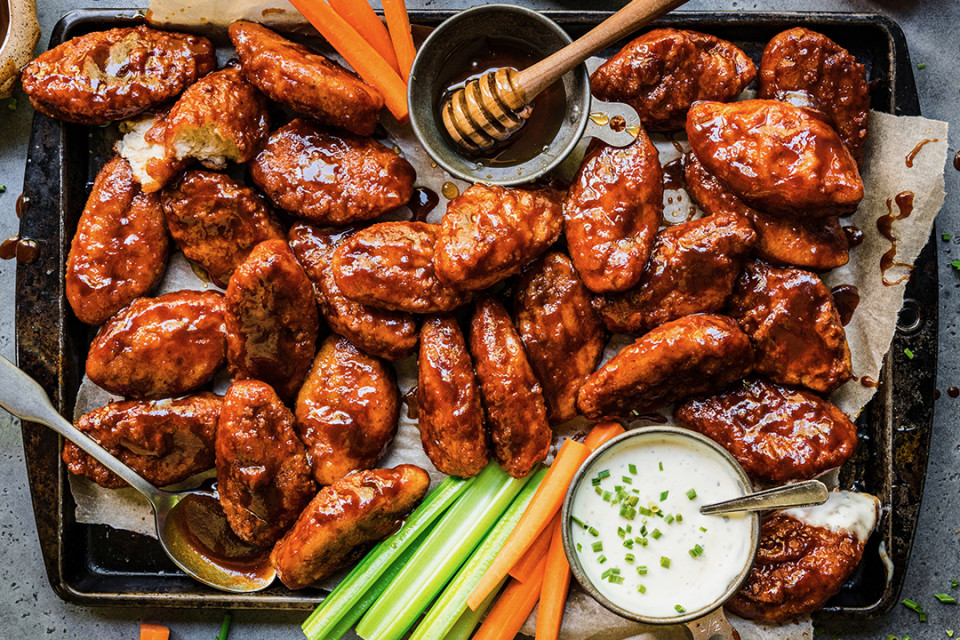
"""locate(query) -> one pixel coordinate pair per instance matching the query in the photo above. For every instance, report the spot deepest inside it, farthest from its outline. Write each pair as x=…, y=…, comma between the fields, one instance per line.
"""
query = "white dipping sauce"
x=705, y=554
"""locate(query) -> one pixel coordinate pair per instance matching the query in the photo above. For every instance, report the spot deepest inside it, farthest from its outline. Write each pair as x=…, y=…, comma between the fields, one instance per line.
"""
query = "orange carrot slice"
x=398, y=22
x=553, y=593
x=150, y=631
x=512, y=607
x=361, y=17
x=602, y=432
x=525, y=566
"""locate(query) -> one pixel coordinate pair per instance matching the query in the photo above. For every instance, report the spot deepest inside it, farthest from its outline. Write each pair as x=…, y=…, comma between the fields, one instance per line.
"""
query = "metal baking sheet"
x=95, y=564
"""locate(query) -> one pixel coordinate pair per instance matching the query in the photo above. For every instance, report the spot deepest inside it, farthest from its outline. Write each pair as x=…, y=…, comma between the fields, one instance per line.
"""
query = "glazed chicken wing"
x=776, y=157
x=120, y=249
x=347, y=410
x=818, y=244
x=692, y=355
x=692, y=269
x=805, y=557
x=344, y=519
x=612, y=213
x=163, y=346
x=448, y=400
x=216, y=221
x=331, y=178
x=516, y=413
x=263, y=476
x=488, y=233
x=664, y=71
x=165, y=441
x=115, y=74
x=561, y=335
x=305, y=81
x=391, y=265
x=794, y=326
x=809, y=69
x=778, y=434
x=143, y=146
x=271, y=319
x=391, y=335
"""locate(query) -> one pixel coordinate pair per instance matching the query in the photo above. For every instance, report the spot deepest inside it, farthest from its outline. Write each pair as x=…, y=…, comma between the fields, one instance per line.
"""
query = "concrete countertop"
x=29, y=608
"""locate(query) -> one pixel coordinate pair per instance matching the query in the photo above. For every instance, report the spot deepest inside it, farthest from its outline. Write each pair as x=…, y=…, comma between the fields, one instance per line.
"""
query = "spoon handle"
x=534, y=79
x=802, y=494
x=22, y=396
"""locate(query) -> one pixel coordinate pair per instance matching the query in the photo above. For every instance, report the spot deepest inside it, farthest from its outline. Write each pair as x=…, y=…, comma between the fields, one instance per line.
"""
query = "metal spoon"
x=802, y=494
x=191, y=525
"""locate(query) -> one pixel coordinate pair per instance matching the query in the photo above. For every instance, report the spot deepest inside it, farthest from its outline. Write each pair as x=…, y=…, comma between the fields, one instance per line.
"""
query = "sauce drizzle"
x=904, y=201
x=913, y=154
x=421, y=203
x=673, y=174
x=846, y=297
x=854, y=236
x=25, y=250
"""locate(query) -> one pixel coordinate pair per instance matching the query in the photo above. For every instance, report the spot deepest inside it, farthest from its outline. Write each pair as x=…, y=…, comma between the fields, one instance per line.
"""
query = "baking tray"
x=97, y=565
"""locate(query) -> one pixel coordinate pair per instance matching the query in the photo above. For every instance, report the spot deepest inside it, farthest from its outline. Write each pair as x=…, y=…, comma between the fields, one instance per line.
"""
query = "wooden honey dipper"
x=491, y=107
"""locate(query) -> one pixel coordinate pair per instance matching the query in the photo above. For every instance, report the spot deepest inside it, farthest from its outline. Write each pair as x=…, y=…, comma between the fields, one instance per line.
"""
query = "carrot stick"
x=602, y=432
x=398, y=21
x=512, y=607
x=553, y=593
x=150, y=631
x=544, y=505
x=361, y=56
x=527, y=563
x=361, y=17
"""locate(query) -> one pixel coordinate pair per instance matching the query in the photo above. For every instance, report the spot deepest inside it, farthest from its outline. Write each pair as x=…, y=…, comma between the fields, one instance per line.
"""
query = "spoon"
x=490, y=108
x=191, y=525
x=809, y=493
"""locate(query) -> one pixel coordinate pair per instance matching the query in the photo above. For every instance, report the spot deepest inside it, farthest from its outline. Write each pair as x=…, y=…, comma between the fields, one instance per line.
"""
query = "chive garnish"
x=633, y=500
x=691, y=494
x=913, y=606
x=604, y=474
x=621, y=532
x=606, y=496
x=644, y=511
x=628, y=544
x=632, y=468
x=661, y=466
x=602, y=559
x=628, y=512
x=641, y=588
x=908, y=353
x=679, y=517
x=615, y=579
x=944, y=598
x=597, y=546
x=642, y=542
x=642, y=570
x=605, y=574
x=579, y=548
x=627, y=479
x=669, y=518
x=643, y=530
x=696, y=551
x=704, y=529
x=593, y=531
x=665, y=562
x=598, y=491
x=579, y=521
x=945, y=236
x=629, y=558
x=954, y=583
x=679, y=609
x=656, y=534
x=595, y=481
x=663, y=495
x=615, y=571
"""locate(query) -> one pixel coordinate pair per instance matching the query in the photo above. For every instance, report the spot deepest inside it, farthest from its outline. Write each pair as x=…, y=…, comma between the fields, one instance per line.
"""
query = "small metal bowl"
x=703, y=622
x=499, y=21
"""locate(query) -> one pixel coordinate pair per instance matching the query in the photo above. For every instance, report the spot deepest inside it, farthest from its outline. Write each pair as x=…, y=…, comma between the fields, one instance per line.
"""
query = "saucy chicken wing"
x=163, y=346
x=776, y=157
x=391, y=335
x=271, y=319
x=331, y=178
x=344, y=519
x=165, y=441
x=347, y=410
x=561, y=335
x=263, y=476
x=516, y=413
x=143, y=146
x=794, y=326
x=305, y=81
x=805, y=556
x=778, y=434
x=488, y=233
x=448, y=399
x=809, y=69
x=693, y=355
x=818, y=244
x=692, y=269
x=391, y=265
x=120, y=249
x=664, y=71
x=612, y=212
x=217, y=221
x=221, y=117
x=115, y=74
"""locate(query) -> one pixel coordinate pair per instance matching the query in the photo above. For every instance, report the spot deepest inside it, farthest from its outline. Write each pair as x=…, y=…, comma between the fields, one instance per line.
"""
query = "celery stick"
x=453, y=601
x=352, y=588
x=463, y=628
x=446, y=548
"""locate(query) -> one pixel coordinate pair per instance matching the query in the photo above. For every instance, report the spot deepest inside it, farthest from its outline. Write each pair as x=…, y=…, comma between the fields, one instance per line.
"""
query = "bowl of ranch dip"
x=634, y=535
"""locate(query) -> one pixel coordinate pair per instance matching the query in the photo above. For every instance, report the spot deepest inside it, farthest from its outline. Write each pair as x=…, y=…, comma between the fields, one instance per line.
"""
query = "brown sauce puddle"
x=846, y=297
x=904, y=201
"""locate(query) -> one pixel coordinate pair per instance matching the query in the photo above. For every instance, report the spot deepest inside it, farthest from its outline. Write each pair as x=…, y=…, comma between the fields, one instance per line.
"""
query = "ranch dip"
x=638, y=532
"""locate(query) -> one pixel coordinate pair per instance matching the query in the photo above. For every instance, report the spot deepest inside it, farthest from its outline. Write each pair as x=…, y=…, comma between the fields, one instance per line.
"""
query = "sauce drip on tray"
x=846, y=297
x=904, y=201
x=913, y=154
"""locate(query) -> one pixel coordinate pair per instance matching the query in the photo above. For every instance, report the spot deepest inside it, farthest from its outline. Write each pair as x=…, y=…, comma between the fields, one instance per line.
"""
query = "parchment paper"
x=869, y=333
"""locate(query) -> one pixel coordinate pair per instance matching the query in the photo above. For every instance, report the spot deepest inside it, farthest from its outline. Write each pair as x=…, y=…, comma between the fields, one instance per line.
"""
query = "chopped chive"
x=12, y=105
x=944, y=598
x=663, y=495
x=704, y=529
x=910, y=604
x=627, y=479
x=621, y=532
x=629, y=528
x=224, y=627
x=628, y=544
x=923, y=617
x=908, y=353
x=615, y=579
x=656, y=534
x=679, y=517
x=643, y=530
x=629, y=558
x=679, y=609
x=605, y=574
x=628, y=512
x=949, y=632
x=665, y=562
x=669, y=518
x=954, y=583
x=922, y=66
x=642, y=570
x=598, y=491
x=955, y=264
x=602, y=559
x=642, y=542
x=579, y=548
x=641, y=588
x=606, y=496
x=945, y=236
x=604, y=474
x=691, y=494
x=593, y=531
x=634, y=412
x=3, y=188
x=633, y=500
x=644, y=511
x=632, y=468
x=597, y=546
x=696, y=551
x=661, y=465
x=595, y=482
x=615, y=571
x=579, y=521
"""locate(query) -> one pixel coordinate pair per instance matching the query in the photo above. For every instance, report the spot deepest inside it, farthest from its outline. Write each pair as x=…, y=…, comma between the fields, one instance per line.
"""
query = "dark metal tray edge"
x=45, y=330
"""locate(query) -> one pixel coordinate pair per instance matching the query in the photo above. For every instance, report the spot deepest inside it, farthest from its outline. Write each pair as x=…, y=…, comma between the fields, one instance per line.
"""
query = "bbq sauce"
x=413, y=406
x=854, y=236
x=25, y=250
x=913, y=154
x=673, y=174
x=904, y=201
x=846, y=298
x=953, y=392
x=956, y=161
x=489, y=54
x=869, y=382
x=422, y=202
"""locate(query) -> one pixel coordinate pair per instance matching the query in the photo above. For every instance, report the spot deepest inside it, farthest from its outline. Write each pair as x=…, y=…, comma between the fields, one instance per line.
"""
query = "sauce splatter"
x=956, y=161
x=936, y=394
x=599, y=119
x=953, y=392
x=904, y=201
x=913, y=154
x=449, y=190
x=422, y=202
x=410, y=399
x=846, y=297
x=23, y=204
x=673, y=174
x=869, y=382
x=25, y=250
x=854, y=236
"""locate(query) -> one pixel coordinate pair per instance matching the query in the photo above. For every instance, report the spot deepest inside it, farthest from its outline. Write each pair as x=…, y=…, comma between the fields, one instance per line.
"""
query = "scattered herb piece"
x=597, y=547
x=628, y=543
x=579, y=548
x=605, y=574
x=922, y=66
x=642, y=570
x=955, y=264
x=606, y=496
x=665, y=562
x=910, y=604
x=691, y=494
x=602, y=559
x=224, y=627
x=908, y=353
x=704, y=529
x=12, y=105
x=632, y=468
x=595, y=481
x=679, y=608
x=663, y=495
x=669, y=518
x=642, y=542
x=656, y=534
x=593, y=531
x=954, y=583
x=627, y=479
x=629, y=558
x=945, y=236
x=679, y=517
x=598, y=491
x=641, y=588
x=628, y=512
x=3, y=188
x=949, y=632
x=604, y=474
x=615, y=579
x=944, y=598
x=661, y=466
x=579, y=521
x=644, y=511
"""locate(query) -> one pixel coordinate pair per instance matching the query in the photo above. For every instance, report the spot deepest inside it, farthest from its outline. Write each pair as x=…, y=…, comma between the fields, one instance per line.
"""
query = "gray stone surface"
x=29, y=609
